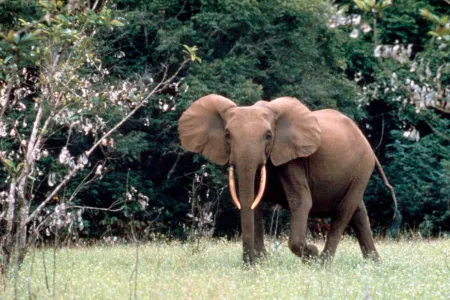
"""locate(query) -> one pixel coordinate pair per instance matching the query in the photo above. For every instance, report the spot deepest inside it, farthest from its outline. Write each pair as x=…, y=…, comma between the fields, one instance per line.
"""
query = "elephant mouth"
x=232, y=186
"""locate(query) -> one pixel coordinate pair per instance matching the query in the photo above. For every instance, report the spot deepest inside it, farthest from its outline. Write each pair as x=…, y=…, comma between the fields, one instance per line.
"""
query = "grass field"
x=410, y=270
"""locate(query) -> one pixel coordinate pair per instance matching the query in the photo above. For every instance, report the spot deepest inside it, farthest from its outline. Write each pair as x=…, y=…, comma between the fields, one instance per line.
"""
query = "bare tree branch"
x=34, y=24
x=34, y=135
x=174, y=166
x=110, y=209
x=382, y=132
x=437, y=131
x=66, y=179
x=158, y=88
x=83, y=183
x=440, y=109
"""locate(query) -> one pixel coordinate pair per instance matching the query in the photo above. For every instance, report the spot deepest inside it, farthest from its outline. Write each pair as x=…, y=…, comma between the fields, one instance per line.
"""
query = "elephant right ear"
x=201, y=128
x=297, y=132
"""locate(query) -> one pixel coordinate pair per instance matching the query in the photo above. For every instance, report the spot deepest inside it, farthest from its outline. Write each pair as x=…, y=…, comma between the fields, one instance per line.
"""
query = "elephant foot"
x=373, y=256
x=260, y=254
x=307, y=252
x=311, y=253
x=325, y=258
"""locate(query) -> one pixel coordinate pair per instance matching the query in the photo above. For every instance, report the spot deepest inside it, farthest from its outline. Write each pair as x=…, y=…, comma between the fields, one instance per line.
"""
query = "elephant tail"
x=386, y=183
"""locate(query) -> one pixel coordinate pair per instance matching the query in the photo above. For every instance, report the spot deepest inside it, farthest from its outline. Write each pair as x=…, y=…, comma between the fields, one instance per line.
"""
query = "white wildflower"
x=51, y=179
x=82, y=160
x=99, y=169
x=142, y=204
x=409, y=50
x=3, y=129
x=413, y=67
x=365, y=27
x=64, y=156
x=354, y=34
x=412, y=134
x=332, y=24
x=387, y=51
x=356, y=19
x=22, y=106
x=377, y=51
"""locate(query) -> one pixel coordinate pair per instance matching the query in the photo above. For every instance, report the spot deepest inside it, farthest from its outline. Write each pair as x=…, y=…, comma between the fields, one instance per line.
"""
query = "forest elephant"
x=313, y=163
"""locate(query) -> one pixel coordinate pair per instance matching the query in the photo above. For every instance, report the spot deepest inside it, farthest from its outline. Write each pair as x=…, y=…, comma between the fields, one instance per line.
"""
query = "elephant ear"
x=297, y=130
x=201, y=128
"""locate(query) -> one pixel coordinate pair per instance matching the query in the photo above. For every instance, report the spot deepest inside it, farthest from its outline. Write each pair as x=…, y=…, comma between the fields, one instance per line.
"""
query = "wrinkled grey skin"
x=318, y=163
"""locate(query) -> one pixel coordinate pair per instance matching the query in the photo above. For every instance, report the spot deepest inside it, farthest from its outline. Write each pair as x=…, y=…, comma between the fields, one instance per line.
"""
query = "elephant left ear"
x=297, y=131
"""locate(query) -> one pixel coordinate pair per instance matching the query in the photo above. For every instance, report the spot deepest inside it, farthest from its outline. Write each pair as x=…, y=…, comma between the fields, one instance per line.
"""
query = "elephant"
x=313, y=163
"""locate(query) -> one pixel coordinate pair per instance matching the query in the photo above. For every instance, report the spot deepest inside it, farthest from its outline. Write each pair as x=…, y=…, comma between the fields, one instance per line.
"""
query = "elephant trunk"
x=247, y=195
x=248, y=164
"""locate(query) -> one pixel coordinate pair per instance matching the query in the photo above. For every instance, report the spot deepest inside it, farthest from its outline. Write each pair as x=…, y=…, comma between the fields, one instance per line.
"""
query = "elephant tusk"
x=262, y=187
x=233, y=187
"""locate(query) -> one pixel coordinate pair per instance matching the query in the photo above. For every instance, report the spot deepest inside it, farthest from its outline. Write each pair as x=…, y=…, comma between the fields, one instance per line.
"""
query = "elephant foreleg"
x=259, y=233
x=300, y=202
x=297, y=238
x=361, y=226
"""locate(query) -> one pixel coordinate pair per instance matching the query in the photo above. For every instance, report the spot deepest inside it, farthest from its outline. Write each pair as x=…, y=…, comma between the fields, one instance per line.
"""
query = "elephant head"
x=246, y=137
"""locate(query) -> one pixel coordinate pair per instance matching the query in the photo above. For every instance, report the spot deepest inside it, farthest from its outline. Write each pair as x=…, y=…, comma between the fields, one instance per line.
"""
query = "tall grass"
x=409, y=270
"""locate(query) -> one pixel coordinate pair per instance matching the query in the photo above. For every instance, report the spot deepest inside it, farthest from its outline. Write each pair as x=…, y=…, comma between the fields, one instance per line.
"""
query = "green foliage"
x=416, y=169
x=247, y=51
x=53, y=102
x=422, y=181
x=372, y=6
x=441, y=30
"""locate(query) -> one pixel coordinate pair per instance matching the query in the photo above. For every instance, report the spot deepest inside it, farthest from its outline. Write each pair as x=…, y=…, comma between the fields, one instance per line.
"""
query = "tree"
x=55, y=92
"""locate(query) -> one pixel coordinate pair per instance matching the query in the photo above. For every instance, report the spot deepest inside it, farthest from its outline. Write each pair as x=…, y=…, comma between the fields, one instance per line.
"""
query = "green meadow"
x=418, y=269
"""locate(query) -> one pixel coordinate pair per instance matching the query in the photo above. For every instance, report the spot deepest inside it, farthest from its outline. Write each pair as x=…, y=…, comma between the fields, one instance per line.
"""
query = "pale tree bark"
x=19, y=202
x=6, y=101
x=23, y=213
x=7, y=241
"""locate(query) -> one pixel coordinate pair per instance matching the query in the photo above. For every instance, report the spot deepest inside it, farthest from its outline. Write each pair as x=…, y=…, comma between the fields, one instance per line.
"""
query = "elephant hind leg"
x=361, y=226
x=342, y=217
x=337, y=227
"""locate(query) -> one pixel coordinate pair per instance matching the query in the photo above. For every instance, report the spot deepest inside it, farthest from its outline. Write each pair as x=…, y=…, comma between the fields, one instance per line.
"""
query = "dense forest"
x=91, y=93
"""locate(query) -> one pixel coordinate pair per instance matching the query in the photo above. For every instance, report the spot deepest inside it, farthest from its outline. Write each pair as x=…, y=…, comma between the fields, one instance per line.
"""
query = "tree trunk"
x=7, y=241
x=22, y=228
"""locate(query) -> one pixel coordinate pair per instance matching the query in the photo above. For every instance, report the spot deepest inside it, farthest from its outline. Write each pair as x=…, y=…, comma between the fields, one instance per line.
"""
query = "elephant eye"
x=268, y=135
x=227, y=135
